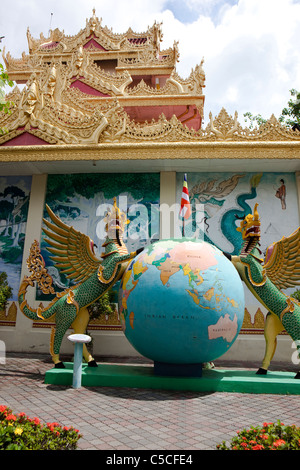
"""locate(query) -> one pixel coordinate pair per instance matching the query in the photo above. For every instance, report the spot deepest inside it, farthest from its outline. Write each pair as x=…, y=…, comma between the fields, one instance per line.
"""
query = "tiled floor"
x=135, y=419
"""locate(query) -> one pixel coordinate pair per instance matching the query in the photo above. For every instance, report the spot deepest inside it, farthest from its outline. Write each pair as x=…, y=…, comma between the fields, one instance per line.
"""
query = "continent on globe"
x=167, y=269
x=225, y=328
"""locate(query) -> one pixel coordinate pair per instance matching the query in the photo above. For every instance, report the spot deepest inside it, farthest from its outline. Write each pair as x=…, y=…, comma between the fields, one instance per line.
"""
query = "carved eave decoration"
x=81, y=67
x=37, y=112
x=51, y=109
x=223, y=128
x=227, y=128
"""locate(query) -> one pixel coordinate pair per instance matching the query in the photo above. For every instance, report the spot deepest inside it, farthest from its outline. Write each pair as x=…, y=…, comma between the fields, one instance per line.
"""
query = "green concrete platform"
x=214, y=380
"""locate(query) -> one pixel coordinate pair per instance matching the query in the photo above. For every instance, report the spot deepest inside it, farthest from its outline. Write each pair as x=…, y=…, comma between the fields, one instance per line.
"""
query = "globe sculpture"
x=181, y=304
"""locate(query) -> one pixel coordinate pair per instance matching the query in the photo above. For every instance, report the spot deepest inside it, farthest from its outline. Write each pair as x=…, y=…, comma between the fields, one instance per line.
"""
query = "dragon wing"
x=282, y=261
x=72, y=250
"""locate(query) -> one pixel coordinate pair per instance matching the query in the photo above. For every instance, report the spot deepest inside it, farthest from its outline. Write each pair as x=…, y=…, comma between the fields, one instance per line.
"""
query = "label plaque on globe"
x=181, y=302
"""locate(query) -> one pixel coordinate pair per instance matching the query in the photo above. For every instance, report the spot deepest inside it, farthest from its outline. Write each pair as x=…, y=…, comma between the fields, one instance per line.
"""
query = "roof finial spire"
x=50, y=23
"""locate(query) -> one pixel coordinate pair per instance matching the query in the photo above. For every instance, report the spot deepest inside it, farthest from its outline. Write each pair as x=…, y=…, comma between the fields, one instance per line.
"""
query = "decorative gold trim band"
x=153, y=151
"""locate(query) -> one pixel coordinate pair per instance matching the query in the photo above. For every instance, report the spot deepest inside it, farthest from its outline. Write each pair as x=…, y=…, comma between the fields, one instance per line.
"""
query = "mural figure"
x=281, y=193
x=74, y=256
x=266, y=277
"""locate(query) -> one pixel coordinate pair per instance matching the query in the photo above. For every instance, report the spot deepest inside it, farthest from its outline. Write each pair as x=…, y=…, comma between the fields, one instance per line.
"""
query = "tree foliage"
x=4, y=81
x=252, y=120
x=290, y=115
x=104, y=305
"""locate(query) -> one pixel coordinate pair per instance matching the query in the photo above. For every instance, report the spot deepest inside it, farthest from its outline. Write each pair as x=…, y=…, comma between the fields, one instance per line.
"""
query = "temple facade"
x=101, y=115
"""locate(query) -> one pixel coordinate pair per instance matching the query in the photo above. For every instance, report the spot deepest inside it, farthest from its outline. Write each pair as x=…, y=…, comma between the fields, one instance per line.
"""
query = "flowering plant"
x=19, y=432
x=269, y=436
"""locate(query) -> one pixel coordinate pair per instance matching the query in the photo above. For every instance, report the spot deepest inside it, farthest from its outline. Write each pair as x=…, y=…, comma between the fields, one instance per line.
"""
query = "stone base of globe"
x=177, y=370
x=181, y=303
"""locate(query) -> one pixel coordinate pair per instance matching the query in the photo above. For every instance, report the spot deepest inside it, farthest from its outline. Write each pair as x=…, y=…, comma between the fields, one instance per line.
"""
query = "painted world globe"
x=181, y=302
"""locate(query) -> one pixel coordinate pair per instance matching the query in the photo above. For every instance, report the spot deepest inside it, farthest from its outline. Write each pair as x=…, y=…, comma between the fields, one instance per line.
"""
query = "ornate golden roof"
x=64, y=115
x=131, y=51
x=98, y=87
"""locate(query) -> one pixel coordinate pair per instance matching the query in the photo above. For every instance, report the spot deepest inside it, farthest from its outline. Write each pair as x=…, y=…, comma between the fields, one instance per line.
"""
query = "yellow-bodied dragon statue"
x=266, y=277
x=75, y=257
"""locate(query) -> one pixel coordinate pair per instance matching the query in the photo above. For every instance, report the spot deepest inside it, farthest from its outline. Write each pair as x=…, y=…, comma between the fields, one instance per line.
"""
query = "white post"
x=78, y=340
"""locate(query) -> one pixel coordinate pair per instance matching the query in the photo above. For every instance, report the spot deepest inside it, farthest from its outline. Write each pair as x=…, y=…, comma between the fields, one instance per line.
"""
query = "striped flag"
x=185, y=207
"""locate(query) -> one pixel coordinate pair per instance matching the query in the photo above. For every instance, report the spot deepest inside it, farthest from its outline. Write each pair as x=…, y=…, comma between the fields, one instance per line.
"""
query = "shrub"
x=19, y=432
x=103, y=305
x=269, y=436
x=5, y=291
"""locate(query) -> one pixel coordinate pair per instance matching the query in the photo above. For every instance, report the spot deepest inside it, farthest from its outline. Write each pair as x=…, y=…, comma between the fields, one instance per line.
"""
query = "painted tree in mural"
x=13, y=209
x=83, y=200
x=66, y=195
x=290, y=115
x=5, y=291
x=6, y=208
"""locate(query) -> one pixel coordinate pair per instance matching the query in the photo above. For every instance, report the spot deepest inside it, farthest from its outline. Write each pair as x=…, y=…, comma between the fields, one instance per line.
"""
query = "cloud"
x=250, y=47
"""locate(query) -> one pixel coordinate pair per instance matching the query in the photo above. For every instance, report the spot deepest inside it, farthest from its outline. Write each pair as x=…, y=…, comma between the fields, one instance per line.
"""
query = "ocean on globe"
x=181, y=302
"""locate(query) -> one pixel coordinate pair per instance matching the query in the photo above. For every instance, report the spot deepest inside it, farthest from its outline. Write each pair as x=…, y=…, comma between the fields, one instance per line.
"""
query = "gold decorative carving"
x=257, y=325
x=36, y=110
x=36, y=266
x=155, y=151
x=8, y=316
x=57, y=43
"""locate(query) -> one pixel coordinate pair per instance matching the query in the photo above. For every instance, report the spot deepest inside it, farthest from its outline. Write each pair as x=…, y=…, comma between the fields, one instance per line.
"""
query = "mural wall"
x=218, y=197
x=82, y=200
x=14, y=201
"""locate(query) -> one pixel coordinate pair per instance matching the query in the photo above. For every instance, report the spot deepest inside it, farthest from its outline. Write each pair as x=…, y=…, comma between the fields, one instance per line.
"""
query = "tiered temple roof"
x=79, y=88
x=98, y=87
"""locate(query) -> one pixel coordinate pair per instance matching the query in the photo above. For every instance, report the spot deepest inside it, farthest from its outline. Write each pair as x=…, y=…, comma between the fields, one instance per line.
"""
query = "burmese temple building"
x=99, y=116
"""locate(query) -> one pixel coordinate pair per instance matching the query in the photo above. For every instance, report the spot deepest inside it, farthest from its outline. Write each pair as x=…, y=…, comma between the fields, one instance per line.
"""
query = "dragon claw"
x=59, y=365
x=262, y=371
x=92, y=363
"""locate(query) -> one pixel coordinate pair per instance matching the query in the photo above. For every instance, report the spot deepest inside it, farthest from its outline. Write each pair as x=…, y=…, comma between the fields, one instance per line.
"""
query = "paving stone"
x=133, y=419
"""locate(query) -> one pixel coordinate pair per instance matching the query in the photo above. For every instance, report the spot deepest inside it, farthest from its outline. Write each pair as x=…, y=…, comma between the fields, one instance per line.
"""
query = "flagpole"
x=183, y=232
x=185, y=208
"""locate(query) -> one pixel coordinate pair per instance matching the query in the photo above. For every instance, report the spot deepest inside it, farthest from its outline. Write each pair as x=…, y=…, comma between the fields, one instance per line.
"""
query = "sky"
x=251, y=48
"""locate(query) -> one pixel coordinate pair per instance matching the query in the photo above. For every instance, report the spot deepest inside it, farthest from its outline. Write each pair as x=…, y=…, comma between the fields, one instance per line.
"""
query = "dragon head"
x=250, y=225
x=115, y=222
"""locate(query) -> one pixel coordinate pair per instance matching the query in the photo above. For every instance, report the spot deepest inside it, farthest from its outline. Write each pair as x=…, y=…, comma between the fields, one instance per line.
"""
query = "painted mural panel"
x=14, y=201
x=217, y=198
x=81, y=201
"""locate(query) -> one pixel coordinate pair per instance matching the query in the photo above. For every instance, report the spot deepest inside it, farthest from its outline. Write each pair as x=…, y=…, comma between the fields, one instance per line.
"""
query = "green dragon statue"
x=266, y=277
x=74, y=256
